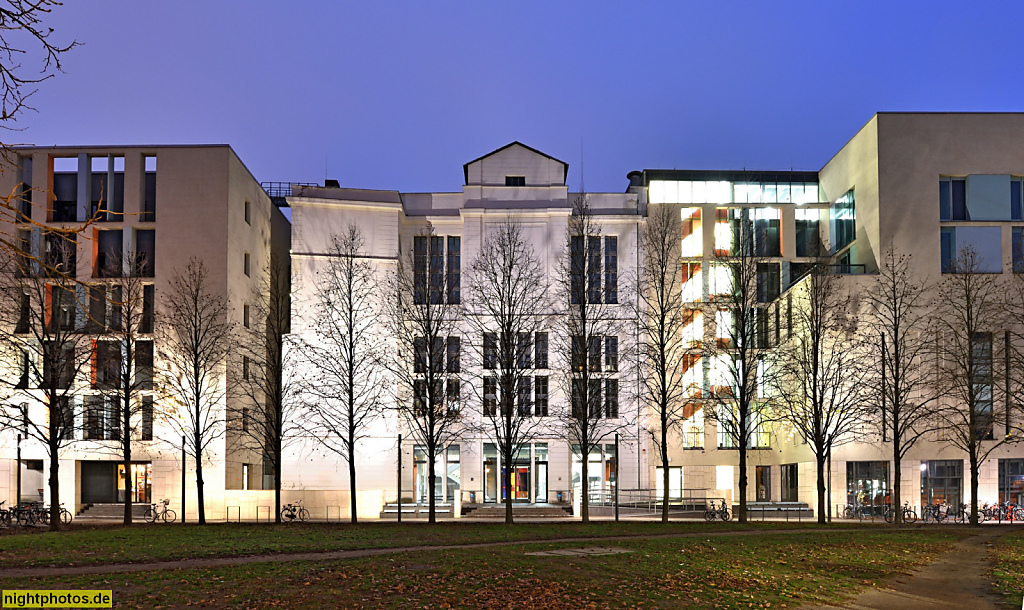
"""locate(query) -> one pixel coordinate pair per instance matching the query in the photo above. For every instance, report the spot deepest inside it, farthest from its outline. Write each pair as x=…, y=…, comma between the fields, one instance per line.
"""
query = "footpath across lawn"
x=763, y=570
x=145, y=543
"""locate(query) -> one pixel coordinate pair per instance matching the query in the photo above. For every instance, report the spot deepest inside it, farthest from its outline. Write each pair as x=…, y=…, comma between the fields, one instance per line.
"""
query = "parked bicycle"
x=160, y=511
x=714, y=512
x=907, y=514
x=937, y=512
x=294, y=512
x=5, y=515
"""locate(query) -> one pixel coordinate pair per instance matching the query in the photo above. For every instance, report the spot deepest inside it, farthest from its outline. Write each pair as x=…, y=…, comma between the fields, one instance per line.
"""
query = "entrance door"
x=763, y=475
x=542, y=482
x=99, y=483
x=517, y=482
x=139, y=483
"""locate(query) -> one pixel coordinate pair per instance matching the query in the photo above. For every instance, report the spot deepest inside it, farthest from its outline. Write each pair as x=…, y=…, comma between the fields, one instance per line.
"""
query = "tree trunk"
x=743, y=480
x=820, y=476
x=584, y=486
x=201, y=503
x=508, y=492
x=431, y=457
x=352, y=481
x=664, y=474
x=974, y=488
x=895, y=485
x=54, y=489
x=127, y=463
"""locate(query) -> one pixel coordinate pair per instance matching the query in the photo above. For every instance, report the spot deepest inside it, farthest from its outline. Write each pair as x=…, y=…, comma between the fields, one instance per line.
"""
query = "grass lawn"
x=1008, y=572
x=147, y=543
x=760, y=571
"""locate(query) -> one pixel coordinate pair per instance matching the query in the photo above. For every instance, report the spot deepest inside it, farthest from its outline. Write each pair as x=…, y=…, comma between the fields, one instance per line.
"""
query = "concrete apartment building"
x=169, y=203
x=926, y=183
x=883, y=187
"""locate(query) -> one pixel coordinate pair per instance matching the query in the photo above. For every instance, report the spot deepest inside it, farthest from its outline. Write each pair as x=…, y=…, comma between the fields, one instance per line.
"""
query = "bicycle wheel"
x=169, y=516
x=303, y=514
x=150, y=515
x=5, y=518
x=724, y=514
x=888, y=515
x=44, y=516
x=66, y=516
x=709, y=515
x=910, y=516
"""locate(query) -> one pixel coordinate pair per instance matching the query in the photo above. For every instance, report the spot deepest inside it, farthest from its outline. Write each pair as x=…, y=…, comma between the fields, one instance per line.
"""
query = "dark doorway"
x=99, y=482
x=789, y=483
x=763, y=475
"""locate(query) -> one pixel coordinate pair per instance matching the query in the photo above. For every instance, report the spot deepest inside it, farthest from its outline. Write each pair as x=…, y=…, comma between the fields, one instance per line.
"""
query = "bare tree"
x=196, y=339
x=664, y=353
x=818, y=378
x=422, y=316
x=972, y=350
x=507, y=308
x=346, y=388
x=588, y=338
x=742, y=288
x=900, y=378
x=124, y=358
x=43, y=335
x=267, y=413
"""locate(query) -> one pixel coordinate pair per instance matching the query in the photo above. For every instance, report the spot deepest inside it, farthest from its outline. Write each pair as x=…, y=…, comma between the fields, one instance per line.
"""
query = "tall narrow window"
x=149, y=194
x=419, y=269
x=594, y=269
x=524, y=351
x=490, y=396
x=578, y=353
x=953, y=199
x=1017, y=248
x=144, y=364
x=23, y=315
x=577, y=265
x=981, y=374
x=245, y=315
x=436, y=270
x=948, y=249
x=490, y=350
x=611, y=270
x=611, y=398
x=611, y=354
x=145, y=250
x=245, y=265
x=147, y=418
x=594, y=396
x=245, y=368
x=454, y=346
x=419, y=364
x=453, y=396
x=148, y=305
x=114, y=294
x=248, y=213
x=540, y=401
x=594, y=353
x=524, y=396
x=245, y=419
x=454, y=270
x=541, y=351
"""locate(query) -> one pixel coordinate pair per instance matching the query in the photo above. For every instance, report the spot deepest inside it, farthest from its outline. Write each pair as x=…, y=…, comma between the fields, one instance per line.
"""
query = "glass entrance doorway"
x=518, y=484
x=139, y=483
x=763, y=475
x=525, y=480
x=942, y=481
x=867, y=487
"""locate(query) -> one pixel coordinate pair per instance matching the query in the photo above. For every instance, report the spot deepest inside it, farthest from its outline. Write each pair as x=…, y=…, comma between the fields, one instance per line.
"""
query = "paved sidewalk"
x=958, y=580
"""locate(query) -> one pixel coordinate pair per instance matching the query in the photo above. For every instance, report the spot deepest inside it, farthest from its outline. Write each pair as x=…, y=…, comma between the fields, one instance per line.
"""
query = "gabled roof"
x=465, y=166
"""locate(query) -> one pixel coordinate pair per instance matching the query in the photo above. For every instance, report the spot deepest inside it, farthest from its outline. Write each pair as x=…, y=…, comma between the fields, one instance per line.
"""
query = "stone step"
x=112, y=511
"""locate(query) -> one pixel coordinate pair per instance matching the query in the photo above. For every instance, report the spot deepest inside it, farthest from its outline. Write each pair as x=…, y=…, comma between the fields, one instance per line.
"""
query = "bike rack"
x=328, y=512
x=267, y=508
x=238, y=514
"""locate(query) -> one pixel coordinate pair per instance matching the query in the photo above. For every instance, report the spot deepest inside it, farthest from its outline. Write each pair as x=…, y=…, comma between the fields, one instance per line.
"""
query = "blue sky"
x=398, y=95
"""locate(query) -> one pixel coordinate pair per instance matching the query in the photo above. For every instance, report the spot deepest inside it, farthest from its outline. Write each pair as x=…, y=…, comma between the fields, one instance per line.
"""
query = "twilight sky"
x=398, y=95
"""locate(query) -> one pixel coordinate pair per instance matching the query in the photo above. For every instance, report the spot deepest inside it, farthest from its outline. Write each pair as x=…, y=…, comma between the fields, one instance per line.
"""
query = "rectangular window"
x=577, y=266
x=490, y=350
x=25, y=257
x=144, y=364
x=245, y=419
x=594, y=398
x=594, y=269
x=419, y=397
x=515, y=180
x=953, y=199
x=147, y=418
x=248, y=213
x=490, y=396
x=578, y=353
x=245, y=315
x=611, y=354
x=419, y=270
x=436, y=271
x=453, y=396
x=948, y=238
x=149, y=197
x=148, y=306
x=1017, y=247
x=245, y=265
x=438, y=358
x=24, y=315
x=541, y=351
x=62, y=308
x=577, y=399
x=540, y=401
x=981, y=374
x=96, y=319
x=109, y=249
x=611, y=398
x=843, y=221
x=594, y=353
x=808, y=237
x=245, y=368
x=65, y=189
x=106, y=365
x=524, y=391
x=454, y=270
x=94, y=412
x=61, y=256
x=23, y=203
x=454, y=346
x=114, y=294
x=524, y=351
x=611, y=270
x=1015, y=199
x=25, y=371
x=145, y=251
